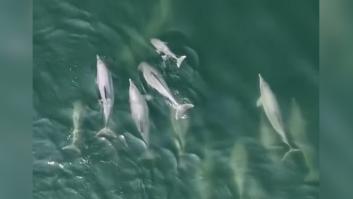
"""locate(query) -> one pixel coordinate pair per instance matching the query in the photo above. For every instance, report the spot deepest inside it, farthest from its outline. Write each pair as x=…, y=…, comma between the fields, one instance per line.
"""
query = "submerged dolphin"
x=139, y=111
x=272, y=111
x=106, y=91
x=162, y=49
x=156, y=81
x=77, y=114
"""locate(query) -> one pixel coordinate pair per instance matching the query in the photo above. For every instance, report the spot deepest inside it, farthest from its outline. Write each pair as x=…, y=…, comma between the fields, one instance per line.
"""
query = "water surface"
x=226, y=148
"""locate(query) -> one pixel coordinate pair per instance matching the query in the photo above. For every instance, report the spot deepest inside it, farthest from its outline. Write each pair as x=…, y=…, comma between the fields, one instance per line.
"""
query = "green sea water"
x=225, y=148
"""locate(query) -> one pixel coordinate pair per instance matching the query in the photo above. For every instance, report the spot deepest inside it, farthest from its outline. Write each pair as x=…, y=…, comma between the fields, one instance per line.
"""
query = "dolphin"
x=77, y=114
x=106, y=91
x=162, y=49
x=272, y=111
x=139, y=111
x=156, y=81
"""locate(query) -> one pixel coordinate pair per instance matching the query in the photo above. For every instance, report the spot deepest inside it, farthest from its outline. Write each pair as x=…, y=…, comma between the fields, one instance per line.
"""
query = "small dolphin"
x=162, y=49
x=77, y=113
x=139, y=111
x=155, y=80
x=272, y=111
x=106, y=90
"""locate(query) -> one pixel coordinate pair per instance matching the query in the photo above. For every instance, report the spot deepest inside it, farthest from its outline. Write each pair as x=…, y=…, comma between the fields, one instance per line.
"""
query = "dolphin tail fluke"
x=180, y=60
x=291, y=150
x=106, y=133
x=72, y=149
x=182, y=109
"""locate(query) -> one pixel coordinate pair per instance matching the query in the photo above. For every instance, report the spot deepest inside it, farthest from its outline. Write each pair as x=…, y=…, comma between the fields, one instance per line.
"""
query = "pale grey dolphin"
x=162, y=49
x=156, y=81
x=272, y=111
x=139, y=111
x=106, y=91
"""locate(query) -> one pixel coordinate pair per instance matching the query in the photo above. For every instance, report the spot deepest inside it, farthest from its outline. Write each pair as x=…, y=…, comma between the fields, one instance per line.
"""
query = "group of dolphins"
x=139, y=108
x=138, y=105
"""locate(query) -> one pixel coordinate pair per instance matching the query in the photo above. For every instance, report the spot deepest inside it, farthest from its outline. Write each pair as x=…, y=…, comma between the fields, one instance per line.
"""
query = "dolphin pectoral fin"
x=148, y=97
x=259, y=102
x=158, y=51
x=100, y=101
